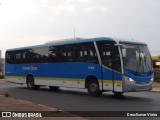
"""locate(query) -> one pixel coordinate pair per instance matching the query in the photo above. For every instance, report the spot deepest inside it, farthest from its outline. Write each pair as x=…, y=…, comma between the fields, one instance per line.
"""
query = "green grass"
x=156, y=85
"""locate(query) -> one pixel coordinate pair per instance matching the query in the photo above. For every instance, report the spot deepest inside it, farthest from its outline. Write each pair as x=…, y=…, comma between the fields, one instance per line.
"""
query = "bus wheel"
x=30, y=83
x=117, y=93
x=93, y=88
x=54, y=88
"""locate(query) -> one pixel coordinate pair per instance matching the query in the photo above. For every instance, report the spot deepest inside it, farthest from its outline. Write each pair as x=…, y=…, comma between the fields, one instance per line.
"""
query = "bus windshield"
x=136, y=58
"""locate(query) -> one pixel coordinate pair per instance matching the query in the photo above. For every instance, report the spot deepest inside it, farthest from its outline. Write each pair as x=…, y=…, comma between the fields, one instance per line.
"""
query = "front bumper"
x=133, y=86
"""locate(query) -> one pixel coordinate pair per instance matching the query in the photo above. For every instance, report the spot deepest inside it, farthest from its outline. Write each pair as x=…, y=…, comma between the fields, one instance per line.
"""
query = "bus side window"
x=87, y=52
x=63, y=53
x=29, y=56
x=106, y=52
x=68, y=53
x=52, y=53
x=18, y=57
x=9, y=57
x=38, y=55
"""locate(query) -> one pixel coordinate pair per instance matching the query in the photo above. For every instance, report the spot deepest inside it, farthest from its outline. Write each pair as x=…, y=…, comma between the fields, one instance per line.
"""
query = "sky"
x=33, y=22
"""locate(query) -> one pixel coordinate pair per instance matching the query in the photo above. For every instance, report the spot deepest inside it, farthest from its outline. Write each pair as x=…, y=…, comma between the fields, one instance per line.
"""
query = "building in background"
x=156, y=64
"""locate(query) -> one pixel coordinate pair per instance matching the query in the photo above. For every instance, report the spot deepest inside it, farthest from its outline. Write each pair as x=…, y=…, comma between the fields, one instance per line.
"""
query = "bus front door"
x=111, y=65
x=116, y=70
x=111, y=69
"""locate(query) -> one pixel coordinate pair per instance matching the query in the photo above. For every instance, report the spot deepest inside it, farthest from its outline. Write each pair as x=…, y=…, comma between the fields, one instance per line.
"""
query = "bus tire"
x=93, y=87
x=54, y=88
x=30, y=83
x=117, y=93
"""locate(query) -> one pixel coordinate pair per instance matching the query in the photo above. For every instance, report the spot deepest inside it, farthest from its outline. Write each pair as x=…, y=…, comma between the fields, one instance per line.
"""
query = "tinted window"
x=84, y=52
x=63, y=53
x=29, y=56
x=106, y=52
x=9, y=57
x=109, y=55
x=52, y=54
x=38, y=55
x=67, y=53
x=14, y=56
x=23, y=56
x=87, y=52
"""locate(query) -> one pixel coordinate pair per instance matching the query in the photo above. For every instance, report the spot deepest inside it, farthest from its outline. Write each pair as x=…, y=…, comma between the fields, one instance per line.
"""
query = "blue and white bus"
x=98, y=64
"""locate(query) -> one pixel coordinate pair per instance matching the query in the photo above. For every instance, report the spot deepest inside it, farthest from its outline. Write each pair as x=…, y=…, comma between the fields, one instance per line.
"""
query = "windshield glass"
x=136, y=58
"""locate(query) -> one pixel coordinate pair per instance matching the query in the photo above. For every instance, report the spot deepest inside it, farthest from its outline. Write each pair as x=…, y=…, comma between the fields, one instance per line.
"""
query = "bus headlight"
x=131, y=80
x=152, y=79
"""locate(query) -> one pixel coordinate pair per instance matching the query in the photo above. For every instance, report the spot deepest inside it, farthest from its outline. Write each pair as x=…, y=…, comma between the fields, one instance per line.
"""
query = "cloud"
x=76, y=6
x=90, y=8
x=33, y=20
x=104, y=8
x=70, y=8
x=12, y=10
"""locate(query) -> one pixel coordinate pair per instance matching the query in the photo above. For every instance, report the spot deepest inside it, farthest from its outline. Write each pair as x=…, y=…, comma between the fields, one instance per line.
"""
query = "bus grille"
x=142, y=83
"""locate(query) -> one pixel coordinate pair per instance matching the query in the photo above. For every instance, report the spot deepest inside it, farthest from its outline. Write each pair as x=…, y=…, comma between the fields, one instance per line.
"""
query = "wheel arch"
x=31, y=83
x=28, y=75
x=89, y=78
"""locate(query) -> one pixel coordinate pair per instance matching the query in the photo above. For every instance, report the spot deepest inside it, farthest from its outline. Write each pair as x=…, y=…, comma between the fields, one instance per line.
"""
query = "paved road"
x=79, y=100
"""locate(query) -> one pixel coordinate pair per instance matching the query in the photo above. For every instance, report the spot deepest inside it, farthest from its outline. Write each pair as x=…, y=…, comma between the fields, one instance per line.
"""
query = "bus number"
x=91, y=67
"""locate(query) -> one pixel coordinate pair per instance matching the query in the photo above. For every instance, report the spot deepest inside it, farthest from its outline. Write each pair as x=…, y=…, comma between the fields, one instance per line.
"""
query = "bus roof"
x=78, y=40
